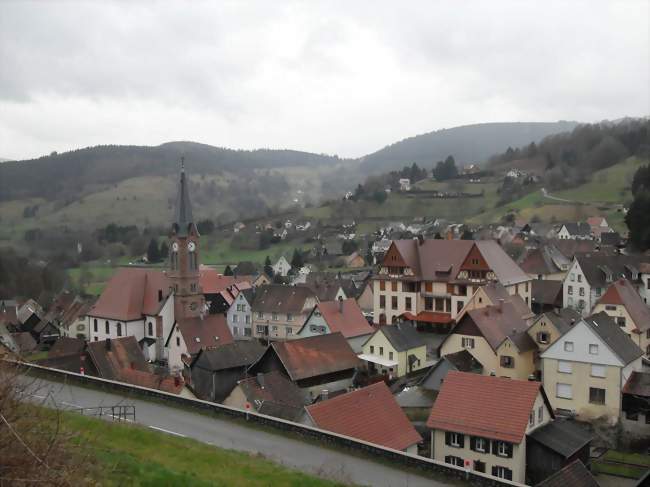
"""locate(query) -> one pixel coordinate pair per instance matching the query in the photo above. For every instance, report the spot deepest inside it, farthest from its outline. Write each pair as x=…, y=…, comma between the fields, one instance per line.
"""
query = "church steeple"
x=183, y=270
x=184, y=221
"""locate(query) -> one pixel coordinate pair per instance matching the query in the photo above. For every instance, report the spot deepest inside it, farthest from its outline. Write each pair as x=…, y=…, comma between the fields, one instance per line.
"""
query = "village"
x=517, y=351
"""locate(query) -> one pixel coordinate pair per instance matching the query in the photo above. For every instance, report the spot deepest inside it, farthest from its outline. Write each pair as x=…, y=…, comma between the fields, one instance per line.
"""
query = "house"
x=611, y=239
x=280, y=311
x=322, y=362
x=281, y=267
x=354, y=260
x=240, y=315
x=546, y=295
x=598, y=226
x=545, y=262
x=496, y=336
x=554, y=446
x=441, y=276
x=405, y=184
x=272, y=394
x=342, y=315
x=586, y=368
x=216, y=371
x=45, y=332
x=574, y=474
x=74, y=322
x=29, y=314
x=368, y=414
x=551, y=325
x=494, y=294
x=394, y=350
x=219, y=290
x=635, y=418
x=189, y=336
x=623, y=303
x=462, y=361
x=482, y=422
x=575, y=231
x=591, y=274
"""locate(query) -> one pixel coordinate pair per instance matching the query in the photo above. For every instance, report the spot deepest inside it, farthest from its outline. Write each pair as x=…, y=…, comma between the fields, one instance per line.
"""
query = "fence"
x=374, y=451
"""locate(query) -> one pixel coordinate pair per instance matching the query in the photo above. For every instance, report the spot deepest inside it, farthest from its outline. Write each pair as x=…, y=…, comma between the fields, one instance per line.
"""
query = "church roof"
x=183, y=218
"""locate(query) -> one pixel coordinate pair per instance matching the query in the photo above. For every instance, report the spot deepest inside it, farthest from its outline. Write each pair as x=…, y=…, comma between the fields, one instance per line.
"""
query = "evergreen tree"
x=153, y=255
x=164, y=250
x=228, y=271
x=297, y=260
x=268, y=268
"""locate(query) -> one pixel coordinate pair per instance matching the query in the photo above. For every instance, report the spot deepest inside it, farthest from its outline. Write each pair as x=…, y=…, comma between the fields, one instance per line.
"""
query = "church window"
x=150, y=328
x=108, y=330
x=119, y=329
x=178, y=341
x=95, y=325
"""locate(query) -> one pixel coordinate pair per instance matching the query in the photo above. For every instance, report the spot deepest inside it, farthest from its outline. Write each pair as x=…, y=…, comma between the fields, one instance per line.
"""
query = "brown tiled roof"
x=67, y=346
x=212, y=282
x=132, y=293
x=482, y=405
x=370, y=414
x=497, y=293
x=574, y=474
x=112, y=356
x=563, y=318
x=281, y=299
x=274, y=388
x=152, y=381
x=211, y=331
x=315, y=356
x=345, y=317
x=25, y=341
x=638, y=384
x=534, y=261
x=229, y=355
x=622, y=292
x=546, y=291
x=499, y=322
x=428, y=317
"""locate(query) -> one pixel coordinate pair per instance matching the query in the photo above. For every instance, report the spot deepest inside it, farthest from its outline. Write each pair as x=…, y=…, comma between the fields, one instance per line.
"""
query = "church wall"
x=128, y=328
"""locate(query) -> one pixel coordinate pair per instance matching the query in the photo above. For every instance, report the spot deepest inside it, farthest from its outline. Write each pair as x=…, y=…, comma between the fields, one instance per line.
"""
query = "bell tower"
x=183, y=272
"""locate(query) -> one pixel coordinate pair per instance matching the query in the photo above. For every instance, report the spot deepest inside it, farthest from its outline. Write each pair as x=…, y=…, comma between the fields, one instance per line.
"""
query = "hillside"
x=468, y=144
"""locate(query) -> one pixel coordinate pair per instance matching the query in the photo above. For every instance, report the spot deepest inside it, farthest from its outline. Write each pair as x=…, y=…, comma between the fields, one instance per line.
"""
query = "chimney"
x=341, y=304
x=324, y=394
x=107, y=342
x=260, y=379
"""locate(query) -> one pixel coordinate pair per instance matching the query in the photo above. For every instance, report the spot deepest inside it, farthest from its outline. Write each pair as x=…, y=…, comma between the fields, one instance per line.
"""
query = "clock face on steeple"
x=175, y=246
x=191, y=246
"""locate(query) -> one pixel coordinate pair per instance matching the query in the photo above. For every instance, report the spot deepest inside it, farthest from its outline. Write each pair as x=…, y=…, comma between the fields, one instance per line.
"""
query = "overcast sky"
x=342, y=78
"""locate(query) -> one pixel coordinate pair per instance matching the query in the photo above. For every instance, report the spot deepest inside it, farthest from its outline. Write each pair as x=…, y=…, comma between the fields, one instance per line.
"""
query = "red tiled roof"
x=622, y=292
x=350, y=321
x=211, y=331
x=496, y=323
x=429, y=317
x=111, y=356
x=151, y=381
x=370, y=414
x=132, y=293
x=480, y=405
x=212, y=282
x=317, y=355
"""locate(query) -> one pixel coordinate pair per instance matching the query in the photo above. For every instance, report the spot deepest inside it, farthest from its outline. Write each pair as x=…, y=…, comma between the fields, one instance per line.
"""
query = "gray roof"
x=605, y=327
x=183, y=218
x=228, y=356
x=402, y=337
x=601, y=270
x=563, y=437
x=580, y=228
x=575, y=474
x=563, y=318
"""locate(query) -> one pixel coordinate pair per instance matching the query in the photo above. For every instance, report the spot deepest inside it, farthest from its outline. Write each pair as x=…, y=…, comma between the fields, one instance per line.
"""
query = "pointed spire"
x=183, y=218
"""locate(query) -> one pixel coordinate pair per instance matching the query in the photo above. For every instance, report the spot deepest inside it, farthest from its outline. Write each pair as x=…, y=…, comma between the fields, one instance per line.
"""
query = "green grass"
x=622, y=464
x=625, y=457
x=132, y=455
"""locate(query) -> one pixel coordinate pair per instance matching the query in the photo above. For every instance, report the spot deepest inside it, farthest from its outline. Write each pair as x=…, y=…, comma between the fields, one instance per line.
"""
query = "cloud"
x=335, y=77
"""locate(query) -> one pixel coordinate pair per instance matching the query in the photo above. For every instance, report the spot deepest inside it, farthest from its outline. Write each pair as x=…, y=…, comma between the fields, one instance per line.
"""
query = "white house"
x=575, y=231
x=405, y=184
x=281, y=267
x=240, y=316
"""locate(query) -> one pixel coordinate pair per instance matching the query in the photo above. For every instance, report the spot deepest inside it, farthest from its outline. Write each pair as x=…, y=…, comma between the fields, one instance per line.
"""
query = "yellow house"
x=481, y=423
x=585, y=370
x=549, y=326
x=493, y=294
x=395, y=350
x=622, y=302
x=496, y=336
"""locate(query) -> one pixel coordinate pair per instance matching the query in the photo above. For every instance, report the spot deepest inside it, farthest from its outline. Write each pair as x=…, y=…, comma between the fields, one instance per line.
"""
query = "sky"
x=331, y=77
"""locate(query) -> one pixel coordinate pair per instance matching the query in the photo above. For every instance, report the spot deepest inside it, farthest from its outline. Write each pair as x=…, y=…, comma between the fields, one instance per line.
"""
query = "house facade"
x=281, y=267
x=278, y=312
x=240, y=316
x=394, y=350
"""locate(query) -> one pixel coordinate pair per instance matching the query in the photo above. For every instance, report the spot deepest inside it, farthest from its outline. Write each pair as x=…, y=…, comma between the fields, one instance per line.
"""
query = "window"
x=502, y=472
x=382, y=302
x=568, y=346
x=457, y=461
x=479, y=444
x=274, y=328
x=119, y=329
x=598, y=291
x=579, y=277
x=382, y=285
x=247, y=332
x=372, y=350
x=543, y=337
x=178, y=341
x=248, y=319
x=95, y=325
x=108, y=330
x=581, y=291
x=479, y=466
x=581, y=304
x=507, y=362
x=455, y=439
x=393, y=286
x=632, y=415
x=504, y=449
x=150, y=328
x=610, y=307
x=596, y=395
x=428, y=287
x=289, y=330
x=289, y=317
x=235, y=318
x=564, y=367
x=235, y=331
x=428, y=303
x=440, y=304
x=390, y=355
x=274, y=317
x=407, y=304
x=260, y=315
x=563, y=391
x=531, y=418
x=597, y=370
x=540, y=414
x=620, y=321
x=261, y=330
x=573, y=277
x=570, y=290
x=381, y=351
x=393, y=302
x=593, y=349
x=467, y=342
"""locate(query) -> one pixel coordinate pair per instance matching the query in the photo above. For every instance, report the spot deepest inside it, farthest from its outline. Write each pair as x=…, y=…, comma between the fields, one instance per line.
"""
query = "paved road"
x=304, y=456
x=551, y=197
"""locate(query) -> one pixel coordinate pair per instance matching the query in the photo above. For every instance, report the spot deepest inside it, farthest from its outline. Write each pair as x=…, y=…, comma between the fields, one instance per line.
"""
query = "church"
x=165, y=310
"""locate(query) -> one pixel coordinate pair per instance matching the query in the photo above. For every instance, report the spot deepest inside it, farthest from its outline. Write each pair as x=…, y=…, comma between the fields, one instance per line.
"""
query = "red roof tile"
x=211, y=331
x=492, y=407
x=429, y=317
x=345, y=317
x=212, y=282
x=370, y=414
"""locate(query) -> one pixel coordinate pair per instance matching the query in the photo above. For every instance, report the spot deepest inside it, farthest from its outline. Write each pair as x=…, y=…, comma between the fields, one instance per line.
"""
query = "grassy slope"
x=131, y=455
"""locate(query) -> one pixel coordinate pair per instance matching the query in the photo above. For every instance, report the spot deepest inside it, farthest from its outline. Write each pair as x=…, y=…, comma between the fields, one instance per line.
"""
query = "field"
x=130, y=455
x=622, y=464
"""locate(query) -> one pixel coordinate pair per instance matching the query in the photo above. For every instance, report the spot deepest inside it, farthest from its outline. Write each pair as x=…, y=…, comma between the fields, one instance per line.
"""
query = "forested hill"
x=52, y=175
x=468, y=144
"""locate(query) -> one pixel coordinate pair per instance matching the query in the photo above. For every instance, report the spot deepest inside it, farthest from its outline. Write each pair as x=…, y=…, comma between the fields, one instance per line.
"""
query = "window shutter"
x=509, y=450
x=495, y=446
x=447, y=459
x=488, y=444
x=494, y=471
x=508, y=474
x=447, y=438
x=472, y=443
x=503, y=361
x=461, y=440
